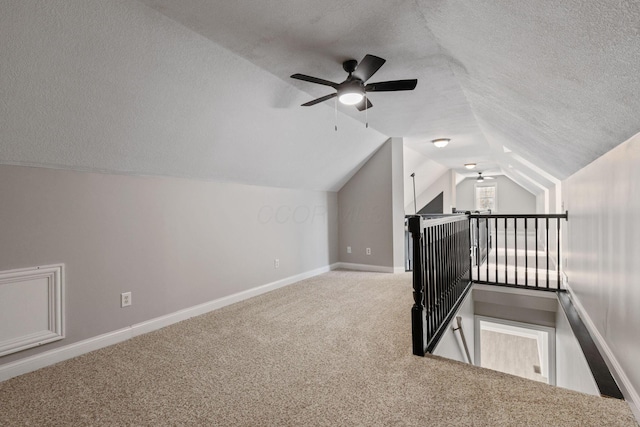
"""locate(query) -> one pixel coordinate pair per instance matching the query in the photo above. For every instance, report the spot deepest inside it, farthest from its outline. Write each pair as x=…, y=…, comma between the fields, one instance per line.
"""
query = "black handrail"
x=512, y=216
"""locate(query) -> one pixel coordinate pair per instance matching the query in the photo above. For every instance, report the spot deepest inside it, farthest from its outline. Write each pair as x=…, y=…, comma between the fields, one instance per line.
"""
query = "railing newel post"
x=418, y=318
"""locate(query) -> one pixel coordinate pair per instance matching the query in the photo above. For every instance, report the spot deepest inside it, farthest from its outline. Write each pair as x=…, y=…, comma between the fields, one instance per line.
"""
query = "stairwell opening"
x=525, y=314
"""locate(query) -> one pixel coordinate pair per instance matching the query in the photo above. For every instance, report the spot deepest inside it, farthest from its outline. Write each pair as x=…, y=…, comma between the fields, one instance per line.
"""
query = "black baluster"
x=536, y=252
x=547, y=250
x=478, y=254
x=515, y=241
x=558, y=259
x=488, y=246
x=526, y=254
x=506, y=259
x=496, y=247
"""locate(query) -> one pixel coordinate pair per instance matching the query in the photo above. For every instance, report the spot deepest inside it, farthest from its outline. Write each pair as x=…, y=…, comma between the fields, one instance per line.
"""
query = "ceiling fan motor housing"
x=350, y=65
x=351, y=85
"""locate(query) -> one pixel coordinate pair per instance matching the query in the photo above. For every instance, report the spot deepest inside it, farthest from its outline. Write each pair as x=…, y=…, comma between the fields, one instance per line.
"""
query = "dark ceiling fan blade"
x=361, y=105
x=368, y=67
x=319, y=100
x=391, y=86
x=314, y=80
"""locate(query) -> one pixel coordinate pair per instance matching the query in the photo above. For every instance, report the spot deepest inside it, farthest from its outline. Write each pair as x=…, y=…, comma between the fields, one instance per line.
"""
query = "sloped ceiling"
x=201, y=89
x=118, y=87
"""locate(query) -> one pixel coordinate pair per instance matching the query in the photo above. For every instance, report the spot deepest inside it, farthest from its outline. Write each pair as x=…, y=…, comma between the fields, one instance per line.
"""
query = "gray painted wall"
x=174, y=243
x=397, y=197
x=603, y=249
x=371, y=211
x=512, y=198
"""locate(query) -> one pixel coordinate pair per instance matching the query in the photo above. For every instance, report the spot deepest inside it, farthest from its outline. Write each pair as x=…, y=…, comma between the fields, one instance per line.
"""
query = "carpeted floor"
x=334, y=350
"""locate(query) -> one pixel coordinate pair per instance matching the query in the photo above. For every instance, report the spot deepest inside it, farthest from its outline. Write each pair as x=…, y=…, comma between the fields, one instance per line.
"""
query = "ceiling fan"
x=353, y=90
x=481, y=178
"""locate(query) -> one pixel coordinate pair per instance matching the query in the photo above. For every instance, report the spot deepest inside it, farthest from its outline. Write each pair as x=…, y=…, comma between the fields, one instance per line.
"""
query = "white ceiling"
x=201, y=88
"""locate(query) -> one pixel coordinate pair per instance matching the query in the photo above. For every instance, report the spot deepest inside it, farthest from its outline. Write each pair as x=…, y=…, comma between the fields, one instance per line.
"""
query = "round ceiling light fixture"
x=470, y=165
x=441, y=142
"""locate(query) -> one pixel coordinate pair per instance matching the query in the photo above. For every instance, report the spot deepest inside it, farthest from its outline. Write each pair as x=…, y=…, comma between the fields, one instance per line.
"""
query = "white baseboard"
x=626, y=387
x=32, y=363
x=366, y=267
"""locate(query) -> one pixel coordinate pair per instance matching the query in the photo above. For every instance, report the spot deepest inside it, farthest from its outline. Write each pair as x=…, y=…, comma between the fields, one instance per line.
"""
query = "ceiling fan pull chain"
x=336, y=114
x=366, y=112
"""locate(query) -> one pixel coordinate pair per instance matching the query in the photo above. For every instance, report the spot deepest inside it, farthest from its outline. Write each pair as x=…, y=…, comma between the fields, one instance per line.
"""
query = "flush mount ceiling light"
x=441, y=142
x=469, y=165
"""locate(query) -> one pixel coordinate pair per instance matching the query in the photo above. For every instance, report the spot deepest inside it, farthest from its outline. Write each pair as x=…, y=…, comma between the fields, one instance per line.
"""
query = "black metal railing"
x=450, y=252
x=522, y=250
x=481, y=240
x=441, y=275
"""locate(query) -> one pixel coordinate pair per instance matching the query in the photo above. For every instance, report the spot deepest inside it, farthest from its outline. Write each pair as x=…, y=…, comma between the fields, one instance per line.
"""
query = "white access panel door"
x=31, y=307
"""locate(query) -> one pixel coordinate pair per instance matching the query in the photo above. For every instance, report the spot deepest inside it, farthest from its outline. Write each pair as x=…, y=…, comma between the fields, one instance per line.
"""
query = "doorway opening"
x=516, y=348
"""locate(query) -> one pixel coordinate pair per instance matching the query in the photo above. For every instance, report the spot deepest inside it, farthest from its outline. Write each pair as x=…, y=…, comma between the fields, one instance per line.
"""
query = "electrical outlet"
x=368, y=251
x=276, y=263
x=125, y=299
x=348, y=249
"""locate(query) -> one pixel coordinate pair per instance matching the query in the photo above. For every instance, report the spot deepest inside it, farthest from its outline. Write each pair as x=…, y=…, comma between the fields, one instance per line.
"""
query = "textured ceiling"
x=311, y=37
x=201, y=88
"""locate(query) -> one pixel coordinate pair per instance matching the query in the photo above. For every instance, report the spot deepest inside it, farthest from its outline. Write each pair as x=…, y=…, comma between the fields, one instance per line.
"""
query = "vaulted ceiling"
x=201, y=89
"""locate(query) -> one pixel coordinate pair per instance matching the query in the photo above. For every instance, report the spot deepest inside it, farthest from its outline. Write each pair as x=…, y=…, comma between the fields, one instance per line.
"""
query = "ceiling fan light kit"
x=351, y=92
x=441, y=142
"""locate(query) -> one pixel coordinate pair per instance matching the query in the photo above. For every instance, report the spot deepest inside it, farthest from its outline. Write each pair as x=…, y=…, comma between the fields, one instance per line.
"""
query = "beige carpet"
x=334, y=350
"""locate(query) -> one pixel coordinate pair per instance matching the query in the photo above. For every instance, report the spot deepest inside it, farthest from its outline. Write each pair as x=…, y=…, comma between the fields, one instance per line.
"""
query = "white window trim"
x=495, y=198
